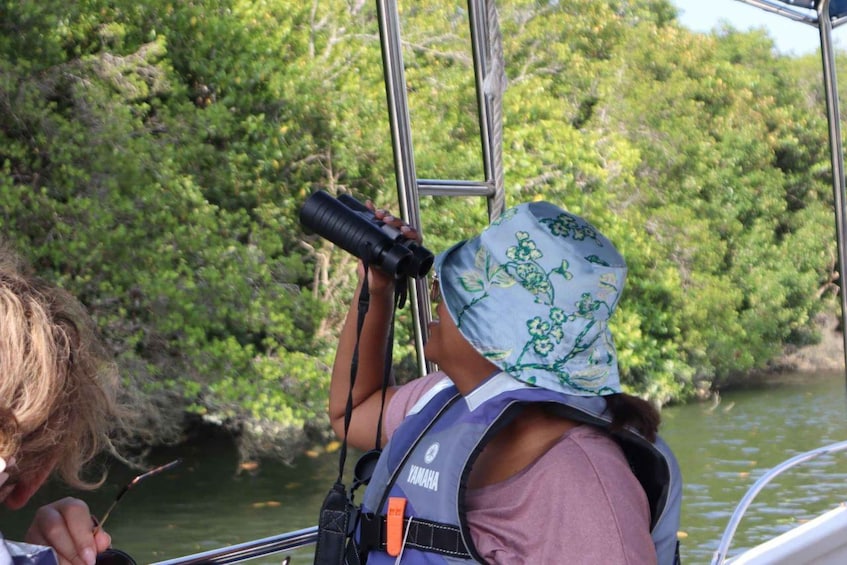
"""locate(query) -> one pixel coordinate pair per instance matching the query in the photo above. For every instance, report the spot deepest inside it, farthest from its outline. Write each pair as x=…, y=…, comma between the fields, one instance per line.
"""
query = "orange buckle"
x=394, y=525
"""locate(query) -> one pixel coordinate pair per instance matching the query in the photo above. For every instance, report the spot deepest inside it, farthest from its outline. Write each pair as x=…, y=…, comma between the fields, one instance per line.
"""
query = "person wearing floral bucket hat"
x=522, y=448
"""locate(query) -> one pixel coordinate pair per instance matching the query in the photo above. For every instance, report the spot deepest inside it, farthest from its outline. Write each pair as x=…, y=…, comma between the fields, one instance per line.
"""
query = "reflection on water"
x=205, y=503
x=724, y=448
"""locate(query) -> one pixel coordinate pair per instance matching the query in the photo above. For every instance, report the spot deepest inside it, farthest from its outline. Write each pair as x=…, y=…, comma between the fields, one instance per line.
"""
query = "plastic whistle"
x=394, y=525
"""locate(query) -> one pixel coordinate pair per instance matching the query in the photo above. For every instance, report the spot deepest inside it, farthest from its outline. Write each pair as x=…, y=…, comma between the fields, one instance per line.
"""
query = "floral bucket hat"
x=533, y=293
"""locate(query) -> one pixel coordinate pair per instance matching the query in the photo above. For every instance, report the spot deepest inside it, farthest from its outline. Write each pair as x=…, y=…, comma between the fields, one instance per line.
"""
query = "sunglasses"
x=132, y=483
x=114, y=556
x=435, y=291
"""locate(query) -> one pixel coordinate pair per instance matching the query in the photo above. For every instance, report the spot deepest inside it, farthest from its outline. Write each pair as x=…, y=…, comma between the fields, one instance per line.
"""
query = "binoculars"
x=352, y=226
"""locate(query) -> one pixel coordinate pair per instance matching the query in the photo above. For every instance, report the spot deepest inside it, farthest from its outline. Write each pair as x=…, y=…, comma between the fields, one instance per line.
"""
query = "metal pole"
x=479, y=48
x=489, y=75
x=781, y=9
x=833, y=116
x=404, y=159
x=249, y=550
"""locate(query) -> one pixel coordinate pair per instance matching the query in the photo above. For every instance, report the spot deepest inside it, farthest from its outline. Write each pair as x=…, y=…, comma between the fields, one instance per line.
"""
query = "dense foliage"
x=154, y=157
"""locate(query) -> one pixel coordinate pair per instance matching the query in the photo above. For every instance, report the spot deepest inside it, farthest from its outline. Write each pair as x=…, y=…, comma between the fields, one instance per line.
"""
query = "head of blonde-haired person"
x=58, y=385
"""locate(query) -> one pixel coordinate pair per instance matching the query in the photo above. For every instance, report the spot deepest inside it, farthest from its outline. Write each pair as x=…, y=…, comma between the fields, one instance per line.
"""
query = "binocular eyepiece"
x=352, y=226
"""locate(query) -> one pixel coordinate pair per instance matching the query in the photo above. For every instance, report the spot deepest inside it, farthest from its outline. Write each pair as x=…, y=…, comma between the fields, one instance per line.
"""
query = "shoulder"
x=405, y=398
x=583, y=453
x=588, y=472
x=597, y=501
x=588, y=463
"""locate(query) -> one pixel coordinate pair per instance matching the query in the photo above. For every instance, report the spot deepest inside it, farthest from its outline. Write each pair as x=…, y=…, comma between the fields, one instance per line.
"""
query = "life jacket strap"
x=424, y=535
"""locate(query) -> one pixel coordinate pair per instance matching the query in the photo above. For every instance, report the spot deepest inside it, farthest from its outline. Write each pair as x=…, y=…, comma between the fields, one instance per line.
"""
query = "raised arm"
x=373, y=345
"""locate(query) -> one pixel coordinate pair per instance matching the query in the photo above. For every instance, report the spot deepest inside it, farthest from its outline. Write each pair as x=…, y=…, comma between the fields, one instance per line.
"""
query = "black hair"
x=635, y=412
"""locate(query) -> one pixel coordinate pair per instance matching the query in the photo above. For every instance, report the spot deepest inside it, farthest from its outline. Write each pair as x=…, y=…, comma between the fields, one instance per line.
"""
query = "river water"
x=722, y=447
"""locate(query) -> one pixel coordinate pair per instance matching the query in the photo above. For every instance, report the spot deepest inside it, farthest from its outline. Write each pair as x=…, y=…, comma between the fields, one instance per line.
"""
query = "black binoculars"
x=352, y=226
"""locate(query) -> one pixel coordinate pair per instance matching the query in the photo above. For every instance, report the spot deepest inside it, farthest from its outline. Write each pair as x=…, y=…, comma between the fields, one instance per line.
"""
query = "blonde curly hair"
x=58, y=384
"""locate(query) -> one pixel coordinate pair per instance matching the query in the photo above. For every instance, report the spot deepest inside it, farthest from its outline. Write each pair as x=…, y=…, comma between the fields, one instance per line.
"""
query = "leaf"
x=472, y=282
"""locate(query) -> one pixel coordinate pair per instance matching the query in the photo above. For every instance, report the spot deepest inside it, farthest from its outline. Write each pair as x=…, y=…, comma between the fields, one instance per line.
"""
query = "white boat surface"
x=820, y=541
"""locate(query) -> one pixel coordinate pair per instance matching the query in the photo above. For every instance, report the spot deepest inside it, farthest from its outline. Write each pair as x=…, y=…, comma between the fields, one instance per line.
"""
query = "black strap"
x=401, y=290
x=338, y=514
x=364, y=302
x=424, y=535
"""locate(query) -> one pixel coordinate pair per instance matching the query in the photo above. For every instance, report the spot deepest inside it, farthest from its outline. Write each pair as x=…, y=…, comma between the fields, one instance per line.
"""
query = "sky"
x=791, y=38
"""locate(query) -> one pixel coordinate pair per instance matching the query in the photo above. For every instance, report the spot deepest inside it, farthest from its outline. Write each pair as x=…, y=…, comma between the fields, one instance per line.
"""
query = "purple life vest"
x=429, y=457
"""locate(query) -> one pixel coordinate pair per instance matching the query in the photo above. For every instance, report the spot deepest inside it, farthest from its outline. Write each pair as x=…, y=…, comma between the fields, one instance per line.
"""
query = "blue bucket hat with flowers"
x=533, y=293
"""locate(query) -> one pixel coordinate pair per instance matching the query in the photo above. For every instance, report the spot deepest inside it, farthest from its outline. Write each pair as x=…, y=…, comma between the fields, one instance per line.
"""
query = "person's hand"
x=380, y=281
x=387, y=217
x=68, y=527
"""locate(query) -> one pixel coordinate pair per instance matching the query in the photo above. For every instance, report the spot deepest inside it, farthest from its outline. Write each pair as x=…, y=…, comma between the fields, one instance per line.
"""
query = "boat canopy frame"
x=489, y=80
x=489, y=74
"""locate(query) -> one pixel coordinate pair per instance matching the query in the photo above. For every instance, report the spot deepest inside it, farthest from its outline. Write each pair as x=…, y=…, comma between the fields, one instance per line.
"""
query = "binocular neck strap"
x=400, y=291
